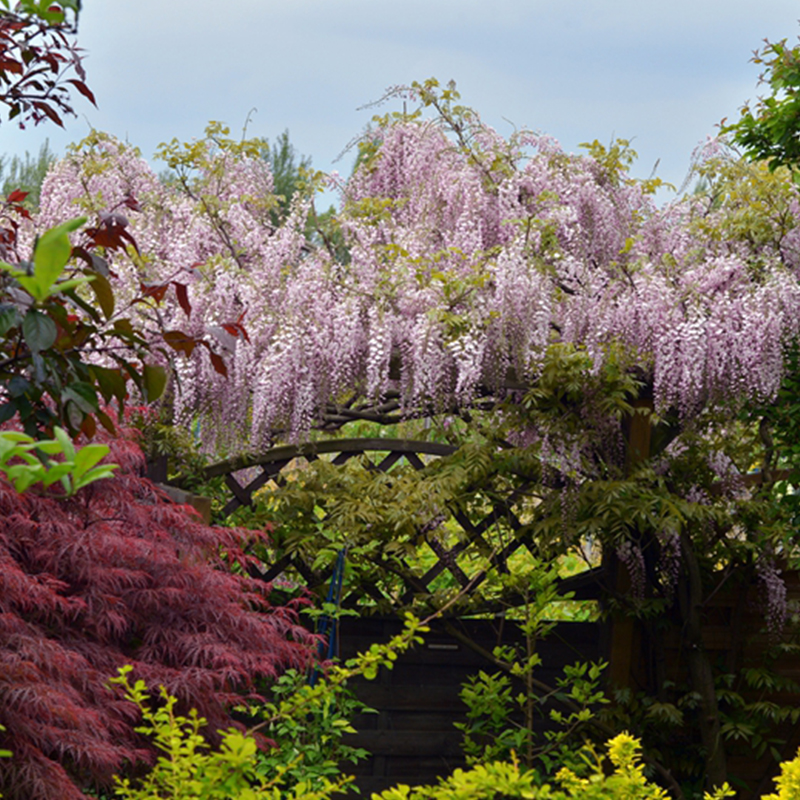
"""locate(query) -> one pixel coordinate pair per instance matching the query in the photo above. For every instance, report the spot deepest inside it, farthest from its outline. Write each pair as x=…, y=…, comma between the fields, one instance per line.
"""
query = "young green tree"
x=287, y=169
x=771, y=130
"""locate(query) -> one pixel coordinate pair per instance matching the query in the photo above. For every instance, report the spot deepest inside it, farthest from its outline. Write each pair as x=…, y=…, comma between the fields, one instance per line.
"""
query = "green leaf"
x=56, y=473
x=63, y=286
x=7, y=411
x=66, y=443
x=18, y=386
x=104, y=294
x=107, y=422
x=96, y=474
x=39, y=330
x=16, y=436
x=24, y=475
x=88, y=456
x=110, y=381
x=8, y=448
x=52, y=254
x=28, y=282
x=9, y=317
x=83, y=395
x=154, y=381
x=124, y=329
x=50, y=447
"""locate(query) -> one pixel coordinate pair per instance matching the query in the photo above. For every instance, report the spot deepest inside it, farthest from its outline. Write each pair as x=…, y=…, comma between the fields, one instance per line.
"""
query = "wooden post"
x=625, y=640
x=638, y=434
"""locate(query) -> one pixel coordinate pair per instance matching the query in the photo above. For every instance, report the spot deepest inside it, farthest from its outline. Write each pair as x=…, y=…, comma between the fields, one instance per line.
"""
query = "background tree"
x=26, y=173
x=288, y=171
x=771, y=131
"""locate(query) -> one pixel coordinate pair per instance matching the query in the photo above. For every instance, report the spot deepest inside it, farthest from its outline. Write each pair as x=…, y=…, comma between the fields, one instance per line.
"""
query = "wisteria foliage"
x=469, y=254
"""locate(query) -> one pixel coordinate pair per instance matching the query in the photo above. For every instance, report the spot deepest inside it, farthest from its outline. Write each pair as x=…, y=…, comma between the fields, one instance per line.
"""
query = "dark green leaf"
x=39, y=369
x=39, y=330
x=154, y=381
x=81, y=303
x=18, y=386
x=74, y=417
x=124, y=329
x=103, y=293
x=110, y=381
x=9, y=317
x=83, y=395
x=7, y=411
x=106, y=422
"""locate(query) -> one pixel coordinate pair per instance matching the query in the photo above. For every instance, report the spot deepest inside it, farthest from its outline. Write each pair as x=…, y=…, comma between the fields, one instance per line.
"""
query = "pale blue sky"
x=662, y=74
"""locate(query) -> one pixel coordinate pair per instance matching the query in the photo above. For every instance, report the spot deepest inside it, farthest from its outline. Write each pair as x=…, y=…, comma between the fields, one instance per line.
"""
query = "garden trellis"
x=389, y=452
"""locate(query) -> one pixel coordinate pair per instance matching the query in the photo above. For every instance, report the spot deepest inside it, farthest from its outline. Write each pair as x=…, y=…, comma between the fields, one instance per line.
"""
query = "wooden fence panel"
x=412, y=738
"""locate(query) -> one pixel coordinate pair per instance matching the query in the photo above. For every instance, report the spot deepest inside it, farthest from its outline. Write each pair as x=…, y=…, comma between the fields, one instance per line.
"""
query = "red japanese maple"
x=118, y=575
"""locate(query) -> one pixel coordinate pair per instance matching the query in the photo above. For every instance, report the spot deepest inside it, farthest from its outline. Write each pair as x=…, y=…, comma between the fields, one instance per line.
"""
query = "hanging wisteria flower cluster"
x=630, y=554
x=467, y=255
x=775, y=606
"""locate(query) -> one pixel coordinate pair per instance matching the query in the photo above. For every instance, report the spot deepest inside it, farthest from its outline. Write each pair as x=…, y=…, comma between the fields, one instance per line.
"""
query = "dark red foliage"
x=36, y=52
x=119, y=575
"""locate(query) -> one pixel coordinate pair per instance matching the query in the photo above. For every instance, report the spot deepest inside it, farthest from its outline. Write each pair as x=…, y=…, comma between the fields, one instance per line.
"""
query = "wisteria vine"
x=468, y=256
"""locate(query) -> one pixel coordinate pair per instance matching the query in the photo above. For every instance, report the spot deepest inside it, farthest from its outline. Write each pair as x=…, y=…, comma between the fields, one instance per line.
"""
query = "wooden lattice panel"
x=451, y=561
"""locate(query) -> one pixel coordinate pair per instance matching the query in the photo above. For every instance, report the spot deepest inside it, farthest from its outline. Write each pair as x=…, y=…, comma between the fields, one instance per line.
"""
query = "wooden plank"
x=409, y=697
x=239, y=492
x=416, y=744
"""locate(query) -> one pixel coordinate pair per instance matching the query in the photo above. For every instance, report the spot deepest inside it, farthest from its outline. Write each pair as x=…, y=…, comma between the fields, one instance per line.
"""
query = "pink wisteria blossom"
x=465, y=262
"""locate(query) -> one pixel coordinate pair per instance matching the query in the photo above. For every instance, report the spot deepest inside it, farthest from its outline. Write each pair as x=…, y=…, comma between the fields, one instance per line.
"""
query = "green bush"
x=190, y=770
x=299, y=767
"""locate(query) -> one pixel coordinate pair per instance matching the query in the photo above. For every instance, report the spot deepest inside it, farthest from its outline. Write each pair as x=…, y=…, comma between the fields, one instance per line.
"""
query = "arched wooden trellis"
x=618, y=639
x=412, y=738
x=384, y=454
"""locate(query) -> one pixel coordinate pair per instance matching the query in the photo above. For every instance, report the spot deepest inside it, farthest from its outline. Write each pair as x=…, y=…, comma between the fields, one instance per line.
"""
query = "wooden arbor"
x=621, y=640
x=454, y=564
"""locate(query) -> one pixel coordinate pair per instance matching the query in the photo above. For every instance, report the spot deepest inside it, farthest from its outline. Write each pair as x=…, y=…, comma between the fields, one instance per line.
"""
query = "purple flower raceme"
x=464, y=263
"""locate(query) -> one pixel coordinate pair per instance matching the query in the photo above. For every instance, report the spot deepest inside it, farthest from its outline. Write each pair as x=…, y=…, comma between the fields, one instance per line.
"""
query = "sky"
x=661, y=74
